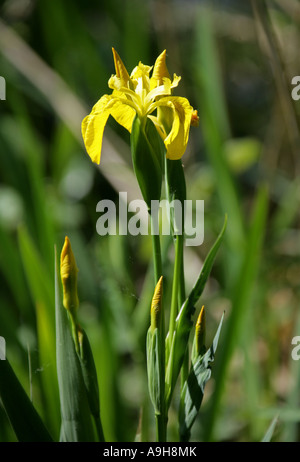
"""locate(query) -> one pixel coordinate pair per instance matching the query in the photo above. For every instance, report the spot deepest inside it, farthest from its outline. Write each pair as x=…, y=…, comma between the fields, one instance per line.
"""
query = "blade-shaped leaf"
x=184, y=322
x=153, y=369
x=23, y=416
x=91, y=381
x=41, y=287
x=75, y=412
x=269, y=433
x=193, y=389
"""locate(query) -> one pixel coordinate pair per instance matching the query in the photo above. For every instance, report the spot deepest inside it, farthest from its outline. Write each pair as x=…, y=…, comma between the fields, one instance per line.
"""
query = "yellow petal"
x=160, y=70
x=177, y=139
x=141, y=70
x=160, y=90
x=93, y=125
x=123, y=113
x=92, y=128
x=175, y=81
x=121, y=70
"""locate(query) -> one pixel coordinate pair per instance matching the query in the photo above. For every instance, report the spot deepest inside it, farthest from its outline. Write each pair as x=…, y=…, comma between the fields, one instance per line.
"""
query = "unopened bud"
x=68, y=272
x=200, y=333
x=156, y=305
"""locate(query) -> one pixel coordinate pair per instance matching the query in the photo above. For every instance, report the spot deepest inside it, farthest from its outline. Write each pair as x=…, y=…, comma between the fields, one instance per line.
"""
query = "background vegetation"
x=236, y=60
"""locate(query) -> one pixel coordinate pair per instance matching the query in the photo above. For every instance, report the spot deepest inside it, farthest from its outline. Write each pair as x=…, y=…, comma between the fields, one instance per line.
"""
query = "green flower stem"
x=74, y=329
x=156, y=255
x=181, y=289
x=161, y=418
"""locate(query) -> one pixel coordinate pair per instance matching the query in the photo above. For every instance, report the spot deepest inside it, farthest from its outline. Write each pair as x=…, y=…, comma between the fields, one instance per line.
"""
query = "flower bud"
x=156, y=305
x=200, y=333
x=68, y=272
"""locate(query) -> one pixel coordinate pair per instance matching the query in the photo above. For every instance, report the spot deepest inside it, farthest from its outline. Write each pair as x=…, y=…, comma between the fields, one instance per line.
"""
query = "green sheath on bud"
x=155, y=362
x=176, y=192
x=147, y=158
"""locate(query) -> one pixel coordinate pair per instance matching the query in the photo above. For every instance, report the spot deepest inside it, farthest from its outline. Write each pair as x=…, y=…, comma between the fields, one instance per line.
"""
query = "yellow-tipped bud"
x=160, y=70
x=156, y=305
x=68, y=273
x=121, y=71
x=200, y=332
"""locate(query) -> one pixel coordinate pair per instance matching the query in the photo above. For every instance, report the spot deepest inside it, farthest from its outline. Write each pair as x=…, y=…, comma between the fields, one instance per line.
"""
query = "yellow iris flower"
x=141, y=95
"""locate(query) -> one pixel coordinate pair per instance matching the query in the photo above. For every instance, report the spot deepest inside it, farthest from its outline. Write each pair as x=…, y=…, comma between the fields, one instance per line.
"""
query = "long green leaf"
x=241, y=302
x=193, y=389
x=153, y=369
x=77, y=422
x=184, y=322
x=270, y=431
x=216, y=131
x=42, y=293
x=90, y=378
x=25, y=420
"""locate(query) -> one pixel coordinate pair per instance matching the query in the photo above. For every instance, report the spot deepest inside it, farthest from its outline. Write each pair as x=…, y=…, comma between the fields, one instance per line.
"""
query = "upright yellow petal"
x=121, y=70
x=160, y=70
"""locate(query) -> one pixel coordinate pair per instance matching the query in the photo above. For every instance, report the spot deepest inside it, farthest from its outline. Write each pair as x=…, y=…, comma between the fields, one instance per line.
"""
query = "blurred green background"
x=236, y=60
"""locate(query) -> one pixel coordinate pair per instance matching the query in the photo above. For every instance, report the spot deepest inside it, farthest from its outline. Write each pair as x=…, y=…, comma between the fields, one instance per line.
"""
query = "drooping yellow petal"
x=177, y=139
x=93, y=127
x=121, y=70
